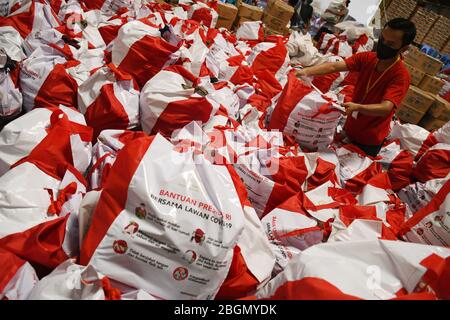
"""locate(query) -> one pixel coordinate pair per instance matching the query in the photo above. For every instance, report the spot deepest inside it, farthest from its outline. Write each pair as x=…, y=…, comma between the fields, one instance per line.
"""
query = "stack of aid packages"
x=157, y=157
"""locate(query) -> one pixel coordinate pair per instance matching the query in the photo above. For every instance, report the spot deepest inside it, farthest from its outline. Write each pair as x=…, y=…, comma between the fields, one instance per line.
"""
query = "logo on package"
x=120, y=246
x=198, y=236
x=180, y=273
x=140, y=211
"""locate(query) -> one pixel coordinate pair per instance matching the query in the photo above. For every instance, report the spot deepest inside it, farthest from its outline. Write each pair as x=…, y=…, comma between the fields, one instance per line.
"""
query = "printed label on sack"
x=278, y=223
x=351, y=164
x=258, y=187
x=434, y=229
x=4, y=8
x=313, y=133
x=176, y=236
x=27, y=72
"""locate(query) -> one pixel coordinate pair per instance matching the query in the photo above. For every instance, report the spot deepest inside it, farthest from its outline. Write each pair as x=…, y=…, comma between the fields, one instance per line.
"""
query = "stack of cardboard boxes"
x=400, y=9
x=277, y=16
x=424, y=19
x=247, y=12
x=422, y=105
x=227, y=15
x=437, y=37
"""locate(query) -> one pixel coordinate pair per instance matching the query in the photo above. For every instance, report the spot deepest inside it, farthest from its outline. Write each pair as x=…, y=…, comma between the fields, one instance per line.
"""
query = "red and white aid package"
x=270, y=178
x=290, y=230
x=250, y=30
x=104, y=153
x=35, y=202
x=434, y=163
x=431, y=224
x=30, y=17
x=305, y=114
x=341, y=48
x=269, y=62
x=10, y=94
x=204, y=13
x=363, y=44
x=398, y=163
x=11, y=44
x=323, y=169
x=173, y=99
x=140, y=50
x=70, y=281
x=110, y=6
x=418, y=194
x=355, y=169
x=226, y=67
x=109, y=99
x=253, y=260
x=161, y=224
x=46, y=79
x=441, y=135
x=411, y=137
x=59, y=134
x=325, y=41
x=17, y=277
x=372, y=270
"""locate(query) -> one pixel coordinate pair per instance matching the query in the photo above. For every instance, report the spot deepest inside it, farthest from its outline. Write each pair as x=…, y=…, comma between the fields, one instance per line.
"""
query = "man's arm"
x=382, y=109
x=326, y=68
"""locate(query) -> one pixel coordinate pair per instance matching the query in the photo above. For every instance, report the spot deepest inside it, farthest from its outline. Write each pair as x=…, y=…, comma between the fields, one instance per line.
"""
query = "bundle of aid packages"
x=147, y=154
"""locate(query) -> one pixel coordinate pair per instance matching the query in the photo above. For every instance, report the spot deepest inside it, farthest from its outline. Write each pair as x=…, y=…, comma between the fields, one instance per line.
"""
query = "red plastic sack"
x=140, y=50
x=378, y=270
x=431, y=224
x=172, y=99
x=17, y=277
x=109, y=99
x=126, y=242
x=306, y=115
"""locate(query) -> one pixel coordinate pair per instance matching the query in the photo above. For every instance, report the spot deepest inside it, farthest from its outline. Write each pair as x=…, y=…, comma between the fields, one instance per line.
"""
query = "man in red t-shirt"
x=381, y=86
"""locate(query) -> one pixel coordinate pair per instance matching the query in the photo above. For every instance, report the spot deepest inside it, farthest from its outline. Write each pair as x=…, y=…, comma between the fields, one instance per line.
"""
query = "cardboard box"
x=440, y=109
x=424, y=19
x=279, y=10
x=437, y=36
x=268, y=31
x=241, y=20
x=224, y=23
x=422, y=61
x=430, y=123
x=227, y=15
x=431, y=84
x=401, y=8
x=409, y=114
x=252, y=13
x=416, y=74
x=227, y=11
x=418, y=99
x=274, y=23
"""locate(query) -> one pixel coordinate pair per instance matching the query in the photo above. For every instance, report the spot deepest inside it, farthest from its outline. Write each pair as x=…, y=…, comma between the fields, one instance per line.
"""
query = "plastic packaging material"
x=146, y=154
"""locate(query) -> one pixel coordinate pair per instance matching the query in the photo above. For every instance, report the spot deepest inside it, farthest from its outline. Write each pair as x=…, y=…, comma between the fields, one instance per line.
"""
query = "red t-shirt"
x=393, y=86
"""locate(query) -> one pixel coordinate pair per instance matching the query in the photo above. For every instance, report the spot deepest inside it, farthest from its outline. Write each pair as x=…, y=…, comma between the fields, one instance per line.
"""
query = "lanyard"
x=368, y=89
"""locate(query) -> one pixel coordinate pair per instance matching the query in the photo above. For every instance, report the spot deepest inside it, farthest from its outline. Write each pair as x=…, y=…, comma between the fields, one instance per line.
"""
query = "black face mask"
x=384, y=52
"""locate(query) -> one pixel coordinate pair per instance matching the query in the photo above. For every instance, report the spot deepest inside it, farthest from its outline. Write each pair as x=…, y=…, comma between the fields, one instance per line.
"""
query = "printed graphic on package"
x=176, y=236
x=434, y=229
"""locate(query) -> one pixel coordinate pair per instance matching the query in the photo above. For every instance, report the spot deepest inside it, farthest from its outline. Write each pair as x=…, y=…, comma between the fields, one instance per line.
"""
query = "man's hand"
x=382, y=109
x=351, y=107
x=300, y=73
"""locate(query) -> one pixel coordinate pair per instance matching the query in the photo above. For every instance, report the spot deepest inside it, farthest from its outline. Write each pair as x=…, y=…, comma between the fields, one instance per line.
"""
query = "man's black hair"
x=408, y=28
